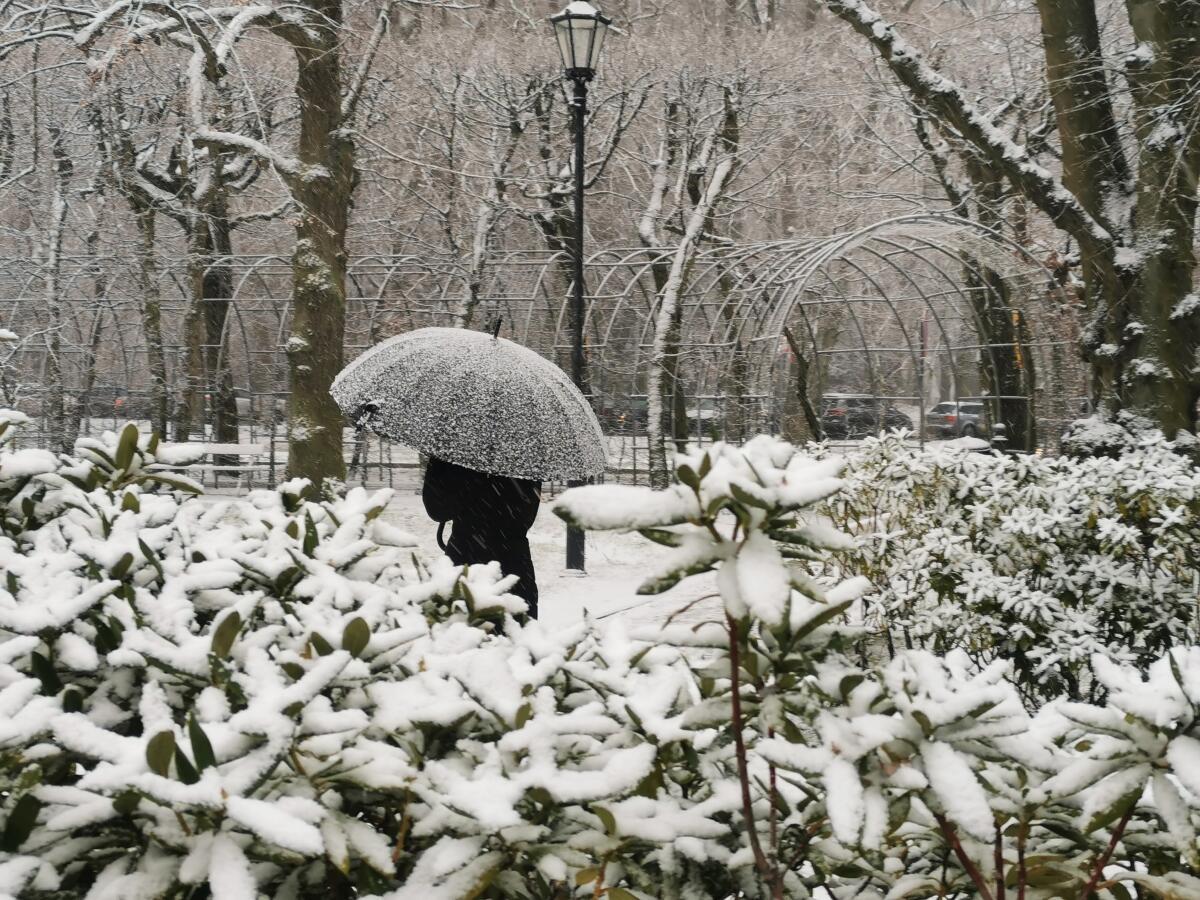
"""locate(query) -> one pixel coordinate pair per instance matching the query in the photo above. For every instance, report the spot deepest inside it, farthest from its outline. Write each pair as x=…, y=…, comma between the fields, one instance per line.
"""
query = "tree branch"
x=946, y=100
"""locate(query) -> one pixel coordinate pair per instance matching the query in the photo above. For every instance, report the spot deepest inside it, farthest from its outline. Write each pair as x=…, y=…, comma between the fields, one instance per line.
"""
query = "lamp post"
x=580, y=29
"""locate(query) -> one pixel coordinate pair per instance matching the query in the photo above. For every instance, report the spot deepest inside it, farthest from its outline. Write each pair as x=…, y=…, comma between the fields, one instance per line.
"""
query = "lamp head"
x=580, y=29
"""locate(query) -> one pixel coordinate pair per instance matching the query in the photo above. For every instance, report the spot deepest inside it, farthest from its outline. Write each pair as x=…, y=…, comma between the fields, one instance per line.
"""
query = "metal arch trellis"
x=890, y=311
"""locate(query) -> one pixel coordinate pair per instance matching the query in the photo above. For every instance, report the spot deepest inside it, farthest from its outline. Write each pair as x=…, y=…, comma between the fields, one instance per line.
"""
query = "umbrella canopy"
x=476, y=400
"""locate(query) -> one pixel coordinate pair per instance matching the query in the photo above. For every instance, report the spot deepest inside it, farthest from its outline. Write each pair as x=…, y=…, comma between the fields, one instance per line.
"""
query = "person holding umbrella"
x=491, y=516
x=494, y=418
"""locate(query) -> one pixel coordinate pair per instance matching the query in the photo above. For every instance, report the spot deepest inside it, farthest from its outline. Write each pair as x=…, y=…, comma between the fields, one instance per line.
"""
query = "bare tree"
x=1127, y=194
x=317, y=166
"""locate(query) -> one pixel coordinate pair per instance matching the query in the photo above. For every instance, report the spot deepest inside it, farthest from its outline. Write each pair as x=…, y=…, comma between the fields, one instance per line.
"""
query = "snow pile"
x=276, y=697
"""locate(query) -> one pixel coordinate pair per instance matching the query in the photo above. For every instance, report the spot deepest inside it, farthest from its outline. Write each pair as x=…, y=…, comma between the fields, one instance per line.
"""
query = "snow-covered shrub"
x=1044, y=562
x=748, y=513
x=920, y=777
x=275, y=697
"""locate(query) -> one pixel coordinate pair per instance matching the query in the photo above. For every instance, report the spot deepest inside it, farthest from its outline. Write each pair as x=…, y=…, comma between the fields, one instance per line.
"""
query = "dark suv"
x=847, y=416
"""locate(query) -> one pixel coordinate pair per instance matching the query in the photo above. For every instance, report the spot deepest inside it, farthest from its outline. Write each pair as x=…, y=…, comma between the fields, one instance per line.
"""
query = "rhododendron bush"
x=278, y=696
x=1045, y=562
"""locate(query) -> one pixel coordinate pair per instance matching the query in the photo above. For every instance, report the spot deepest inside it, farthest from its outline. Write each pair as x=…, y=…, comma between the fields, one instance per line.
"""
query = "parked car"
x=107, y=400
x=952, y=419
x=848, y=416
x=629, y=415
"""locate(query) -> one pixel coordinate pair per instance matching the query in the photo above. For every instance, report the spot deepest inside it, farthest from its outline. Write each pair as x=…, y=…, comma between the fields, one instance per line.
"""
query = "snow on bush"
x=1043, y=562
x=923, y=776
x=277, y=697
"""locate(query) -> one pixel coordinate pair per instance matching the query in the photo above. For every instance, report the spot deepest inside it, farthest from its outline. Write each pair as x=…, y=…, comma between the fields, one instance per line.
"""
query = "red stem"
x=1103, y=860
x=739, y=744
x=965, y=861
x=998, y=856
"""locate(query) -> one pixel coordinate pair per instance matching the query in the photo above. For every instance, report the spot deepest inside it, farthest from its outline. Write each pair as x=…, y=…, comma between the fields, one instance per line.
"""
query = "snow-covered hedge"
x=924, y=776
x=274, y=697
x=1043, y=561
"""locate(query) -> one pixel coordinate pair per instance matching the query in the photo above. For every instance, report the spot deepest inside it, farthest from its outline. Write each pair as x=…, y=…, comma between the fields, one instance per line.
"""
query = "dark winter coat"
x=491, y=516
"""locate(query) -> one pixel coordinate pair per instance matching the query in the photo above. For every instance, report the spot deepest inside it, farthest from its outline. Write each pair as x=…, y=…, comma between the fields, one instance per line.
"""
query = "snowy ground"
x=616, y=564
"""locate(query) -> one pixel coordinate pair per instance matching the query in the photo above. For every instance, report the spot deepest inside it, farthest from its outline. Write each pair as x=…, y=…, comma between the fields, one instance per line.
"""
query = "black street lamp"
x=580, y=29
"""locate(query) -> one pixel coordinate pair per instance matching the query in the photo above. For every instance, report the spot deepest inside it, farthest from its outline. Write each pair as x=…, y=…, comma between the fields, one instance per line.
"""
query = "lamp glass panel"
x=598, y=43
x=562, y=31
x=582, y=32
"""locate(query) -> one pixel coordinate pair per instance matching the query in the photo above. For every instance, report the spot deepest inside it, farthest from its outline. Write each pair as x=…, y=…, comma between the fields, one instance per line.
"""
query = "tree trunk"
x=1137, y=259
x=1157, y=367
x=322, y=191
x=56, y=407
x=151, y=308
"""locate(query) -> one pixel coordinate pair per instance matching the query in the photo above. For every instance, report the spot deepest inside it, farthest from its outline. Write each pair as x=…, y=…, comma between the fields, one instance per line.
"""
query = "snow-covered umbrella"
x=476, y=400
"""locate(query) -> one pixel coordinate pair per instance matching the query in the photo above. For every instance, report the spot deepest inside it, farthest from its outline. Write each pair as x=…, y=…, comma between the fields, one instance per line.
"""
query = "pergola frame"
x=888, y=310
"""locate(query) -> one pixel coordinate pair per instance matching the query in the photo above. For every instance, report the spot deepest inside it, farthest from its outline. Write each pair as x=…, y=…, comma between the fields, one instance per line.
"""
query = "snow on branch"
x=88, y=35
x=238, y=24
x=285, y=165
x=947, y=100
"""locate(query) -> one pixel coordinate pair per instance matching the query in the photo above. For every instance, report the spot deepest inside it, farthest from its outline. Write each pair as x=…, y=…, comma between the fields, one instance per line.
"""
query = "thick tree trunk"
x=1135, y=242
x=322, y=191
x=1157, y=364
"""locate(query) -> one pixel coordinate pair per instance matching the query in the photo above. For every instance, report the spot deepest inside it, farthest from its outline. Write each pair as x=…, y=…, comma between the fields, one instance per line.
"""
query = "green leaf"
x=294, y=670
x=184, y=769
x=72, y=701
x=20, y=823
x=126, y=803
x=126, y=447
x=607, y=819
x=226, y=634
x=924, y=721
x=286, y=580
x=121, y=569
x=202, y=749
x=152, y=558
x=1105, y=817
x=667, y=580
x=744, y=497
x=661, y=536
x=705, y=465
x=524, y=714
x=687, y=475
x=586, y=876
x=311, y=539
x=322, y=646
x=356, y=636
x=44, y=670
x=848, y=684
x=824, y=616
x=182, y=485
x=130, y=502
x=159, y=751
